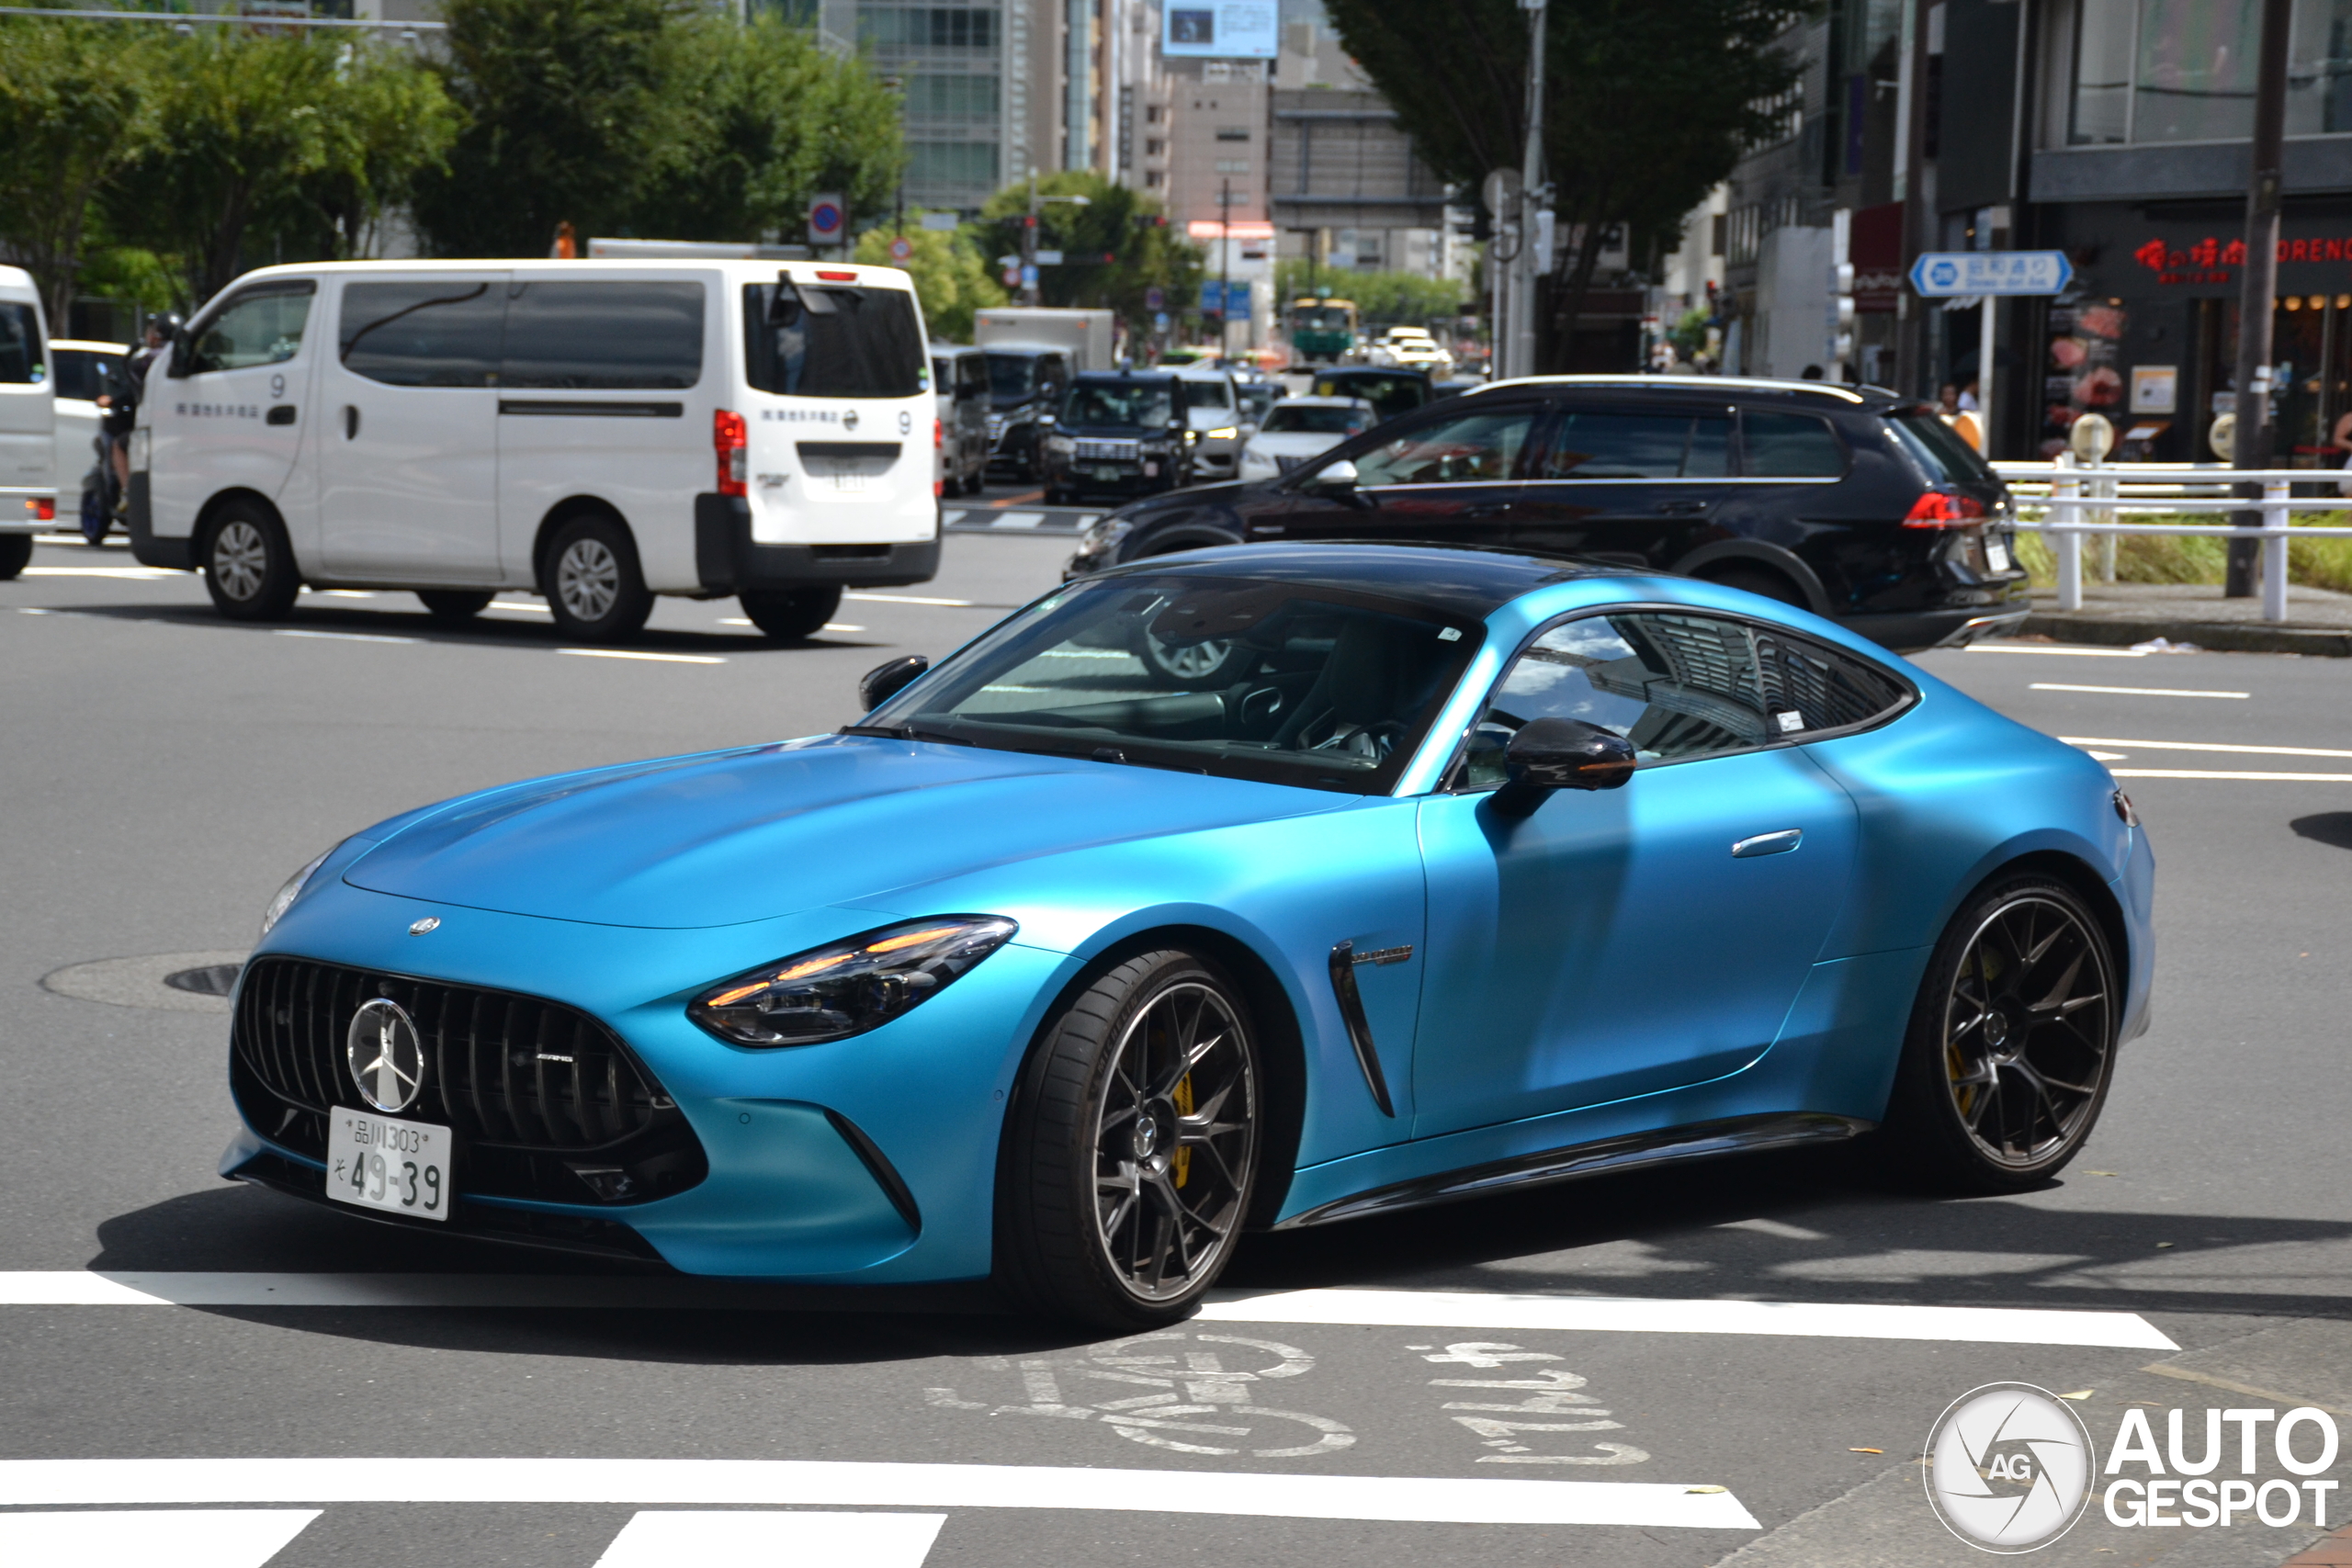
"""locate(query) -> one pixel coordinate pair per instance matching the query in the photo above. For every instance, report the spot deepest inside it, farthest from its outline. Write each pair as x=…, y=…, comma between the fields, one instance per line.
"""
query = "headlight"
x=1060, y=444
x=1104, y=536
x=292, y=890
x=1225, y=433
x=849, y=987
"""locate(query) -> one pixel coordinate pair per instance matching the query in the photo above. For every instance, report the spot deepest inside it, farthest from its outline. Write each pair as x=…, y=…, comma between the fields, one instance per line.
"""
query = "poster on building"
x=1221, y=30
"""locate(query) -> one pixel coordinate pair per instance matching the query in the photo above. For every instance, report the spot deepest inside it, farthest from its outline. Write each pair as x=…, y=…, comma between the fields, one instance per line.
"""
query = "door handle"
x=1680, y=508
x=350, y=423
x=1778, y=844
x=1486, y=509
x=282, y=414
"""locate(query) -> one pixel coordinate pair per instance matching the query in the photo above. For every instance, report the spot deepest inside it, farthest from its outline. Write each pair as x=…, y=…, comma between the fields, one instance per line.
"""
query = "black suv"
x=1116, y=433
x=1852, y=503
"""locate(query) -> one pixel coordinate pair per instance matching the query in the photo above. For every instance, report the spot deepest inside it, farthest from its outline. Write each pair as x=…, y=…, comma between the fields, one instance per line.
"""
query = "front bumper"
x=729, y=560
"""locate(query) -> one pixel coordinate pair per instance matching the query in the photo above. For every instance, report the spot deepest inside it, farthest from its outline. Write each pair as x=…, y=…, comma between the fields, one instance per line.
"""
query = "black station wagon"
x=1853, y=502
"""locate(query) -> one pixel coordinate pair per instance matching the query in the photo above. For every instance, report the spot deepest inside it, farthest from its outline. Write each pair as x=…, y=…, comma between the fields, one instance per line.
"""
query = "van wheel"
x=593, y=583
x=248, y=564
x=15, y=553
x=453, y=606
x=791, y=614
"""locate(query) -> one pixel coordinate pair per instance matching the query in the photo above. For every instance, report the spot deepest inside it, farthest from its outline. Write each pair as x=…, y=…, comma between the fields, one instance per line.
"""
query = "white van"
x=597, y=431
x=28, y=422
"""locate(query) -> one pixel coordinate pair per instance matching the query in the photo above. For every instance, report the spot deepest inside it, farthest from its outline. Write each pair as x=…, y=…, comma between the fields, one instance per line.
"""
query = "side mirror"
x=1340, y=475
x=882, y=683
x=1550, y=755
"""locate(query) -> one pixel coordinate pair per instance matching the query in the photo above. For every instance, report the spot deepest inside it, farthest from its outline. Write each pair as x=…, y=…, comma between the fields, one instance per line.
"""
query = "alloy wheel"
x=2027, y=1031
x=588, y=579
x=1175, y=1142
x=1192, y=660
x=240, y=559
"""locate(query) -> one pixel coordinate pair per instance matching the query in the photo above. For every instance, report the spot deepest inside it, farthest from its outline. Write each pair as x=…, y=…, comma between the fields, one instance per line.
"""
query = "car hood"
x=1294, y=443
x=728, y=837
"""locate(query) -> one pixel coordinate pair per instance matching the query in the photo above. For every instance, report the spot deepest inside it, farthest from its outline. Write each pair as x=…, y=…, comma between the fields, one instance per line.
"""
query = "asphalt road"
x=163, y=771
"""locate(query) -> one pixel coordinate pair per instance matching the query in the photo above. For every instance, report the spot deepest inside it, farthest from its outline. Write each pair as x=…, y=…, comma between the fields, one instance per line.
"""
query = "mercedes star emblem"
x=430, y=923
x=387, y=1059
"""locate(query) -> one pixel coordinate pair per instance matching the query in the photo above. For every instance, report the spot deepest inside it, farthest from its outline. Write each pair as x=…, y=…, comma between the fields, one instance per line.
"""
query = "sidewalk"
x=2320, y=621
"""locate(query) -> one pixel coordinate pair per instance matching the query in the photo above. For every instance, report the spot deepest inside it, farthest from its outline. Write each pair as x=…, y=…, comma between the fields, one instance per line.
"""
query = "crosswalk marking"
x=771, y=1484
x=773, y=1539
x=184, y=1538
x=1020, y=519
x=1413, y=1309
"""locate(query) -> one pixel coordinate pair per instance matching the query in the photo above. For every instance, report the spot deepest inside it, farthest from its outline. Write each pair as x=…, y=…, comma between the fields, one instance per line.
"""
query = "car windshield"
x=1096, y=403
x=1288, y=419
x=1256, y=398
x=1939, y=450
x=1288, y=682
x=1013, y=375
x=1208, y=394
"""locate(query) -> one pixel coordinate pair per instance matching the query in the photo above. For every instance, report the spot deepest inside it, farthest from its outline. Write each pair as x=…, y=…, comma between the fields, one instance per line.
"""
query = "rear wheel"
x=15, y=553
x=592, y=581
x=1132, y=1146
x=791, y=614
x=1762, y=581
x=453, y=606
x=248, y=564
x=2011, y=1045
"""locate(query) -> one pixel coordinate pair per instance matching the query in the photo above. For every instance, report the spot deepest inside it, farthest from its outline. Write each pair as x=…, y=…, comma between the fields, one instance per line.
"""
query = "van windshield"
x=1012, y=376
x=835, y=341
x=21, y=357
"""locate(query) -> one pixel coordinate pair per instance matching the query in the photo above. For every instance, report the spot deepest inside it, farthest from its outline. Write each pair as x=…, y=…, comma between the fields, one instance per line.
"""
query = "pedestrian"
x=1967, y=403
x=1948, y=399
x=121, y=403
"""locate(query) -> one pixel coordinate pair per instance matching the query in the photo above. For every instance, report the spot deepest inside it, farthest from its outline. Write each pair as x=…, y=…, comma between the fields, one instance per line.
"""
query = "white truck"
x=1084, y=334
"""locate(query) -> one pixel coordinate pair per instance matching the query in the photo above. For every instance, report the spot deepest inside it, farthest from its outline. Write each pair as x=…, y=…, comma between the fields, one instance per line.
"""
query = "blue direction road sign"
x=1943, y=274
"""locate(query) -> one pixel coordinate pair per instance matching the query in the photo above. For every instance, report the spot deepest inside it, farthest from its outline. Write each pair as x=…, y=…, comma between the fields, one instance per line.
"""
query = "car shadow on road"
x=1783, y=1227
x=486, y=630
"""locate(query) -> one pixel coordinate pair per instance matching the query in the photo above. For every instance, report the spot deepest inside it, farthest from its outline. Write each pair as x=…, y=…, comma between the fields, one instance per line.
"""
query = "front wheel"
x=249, y=566
x=2011, y=1045
x=1132, y=1146
x=592, y=585
x=791, y=614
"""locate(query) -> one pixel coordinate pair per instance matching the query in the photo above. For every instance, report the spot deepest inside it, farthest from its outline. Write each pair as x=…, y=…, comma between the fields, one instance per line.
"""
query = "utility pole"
x=2259, y=286
x=1535, y=195
x=1224, y=268
x=1029, y=245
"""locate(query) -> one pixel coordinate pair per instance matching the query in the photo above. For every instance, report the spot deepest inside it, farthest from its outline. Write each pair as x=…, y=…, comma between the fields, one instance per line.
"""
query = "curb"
x=2225, y=636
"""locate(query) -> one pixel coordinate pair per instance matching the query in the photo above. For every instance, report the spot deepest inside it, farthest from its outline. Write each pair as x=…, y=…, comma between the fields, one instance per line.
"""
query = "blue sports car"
x=1251, y=887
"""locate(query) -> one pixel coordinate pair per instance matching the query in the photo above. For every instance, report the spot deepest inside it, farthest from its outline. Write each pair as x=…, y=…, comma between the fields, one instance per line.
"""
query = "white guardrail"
x=2083, y=500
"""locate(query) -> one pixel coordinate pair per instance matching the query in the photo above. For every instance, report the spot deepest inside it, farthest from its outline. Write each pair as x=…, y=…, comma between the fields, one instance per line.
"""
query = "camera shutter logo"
x=2009, y=1467
x=387, y=1059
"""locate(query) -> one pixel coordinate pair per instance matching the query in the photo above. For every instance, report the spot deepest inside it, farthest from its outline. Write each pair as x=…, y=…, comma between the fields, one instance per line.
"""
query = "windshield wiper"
x=903, y=732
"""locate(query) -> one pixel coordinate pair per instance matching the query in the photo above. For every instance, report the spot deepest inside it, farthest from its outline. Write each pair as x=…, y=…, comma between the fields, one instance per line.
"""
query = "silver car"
x=1216, y=421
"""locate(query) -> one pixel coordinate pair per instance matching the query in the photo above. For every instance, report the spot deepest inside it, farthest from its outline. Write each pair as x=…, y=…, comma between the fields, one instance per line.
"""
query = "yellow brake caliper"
x=1184, y=1098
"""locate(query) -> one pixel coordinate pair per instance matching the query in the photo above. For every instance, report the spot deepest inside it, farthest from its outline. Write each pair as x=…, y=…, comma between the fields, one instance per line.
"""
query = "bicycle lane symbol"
x=1166, y=1363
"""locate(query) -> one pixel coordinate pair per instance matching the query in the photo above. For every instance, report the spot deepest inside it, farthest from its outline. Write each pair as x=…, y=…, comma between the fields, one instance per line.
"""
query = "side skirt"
x=1670, y=1146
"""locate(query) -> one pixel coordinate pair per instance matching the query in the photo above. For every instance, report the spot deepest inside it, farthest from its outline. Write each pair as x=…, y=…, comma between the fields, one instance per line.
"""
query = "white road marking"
x=518, y=607
x=2195, y=773
x=949, y=519
x=1020, y=519
x=2069, y=652
x=67, y=1483
x=338, y=637
x=2203, y=745
x=909, y=599
x=2107, y=756
x=185, y=1538
x=649, y=658
x=842, y=626
x=29, y=610
x=1430, y=1309
x=1449, y=1309
x=2132, y=691
x=341, y=593
x=128, y=573
x=773, y=1539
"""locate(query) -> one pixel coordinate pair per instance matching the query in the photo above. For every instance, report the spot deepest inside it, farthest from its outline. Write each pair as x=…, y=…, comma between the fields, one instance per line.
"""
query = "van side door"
x=408, y=447
x=230, y=410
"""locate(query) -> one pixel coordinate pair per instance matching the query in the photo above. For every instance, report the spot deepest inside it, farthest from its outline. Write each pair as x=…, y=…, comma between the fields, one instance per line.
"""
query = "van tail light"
x=938, y=445
x=43, y=511
x=731, y=439
x=1942, y=509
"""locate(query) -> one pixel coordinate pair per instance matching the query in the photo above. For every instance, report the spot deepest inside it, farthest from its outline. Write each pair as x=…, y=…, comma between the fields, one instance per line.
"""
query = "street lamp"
x=1029, y=235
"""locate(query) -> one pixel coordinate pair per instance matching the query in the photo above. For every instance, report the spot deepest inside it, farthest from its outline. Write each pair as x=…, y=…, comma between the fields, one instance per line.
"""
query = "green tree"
x=952, y=278
x=570, y=108
x=769, y=122
x=1647, y=106
x=74, y=112
x=1116, y=248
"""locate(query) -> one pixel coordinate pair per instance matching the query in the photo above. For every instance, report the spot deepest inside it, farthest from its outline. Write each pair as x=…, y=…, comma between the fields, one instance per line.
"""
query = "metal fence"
x=2079, y=501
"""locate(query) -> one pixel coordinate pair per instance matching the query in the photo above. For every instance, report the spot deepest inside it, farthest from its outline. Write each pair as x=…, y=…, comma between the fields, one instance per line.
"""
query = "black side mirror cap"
x=882, y=683
x=1550, y=755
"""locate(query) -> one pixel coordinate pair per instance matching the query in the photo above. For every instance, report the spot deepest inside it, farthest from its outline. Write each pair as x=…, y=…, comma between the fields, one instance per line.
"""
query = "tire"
x=2011, y=1045
x=593, y=583
x=978, y=480
x=1094, y=1223
x=248, y=564
x=1762, y=581
x=15, y=553
x=454, y=606
x=93, y=517
x=791, y=614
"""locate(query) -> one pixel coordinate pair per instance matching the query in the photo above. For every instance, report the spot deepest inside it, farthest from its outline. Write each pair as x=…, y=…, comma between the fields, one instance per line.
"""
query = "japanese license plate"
x=379, y=1163
x=1108, y=476
x=1997, y=554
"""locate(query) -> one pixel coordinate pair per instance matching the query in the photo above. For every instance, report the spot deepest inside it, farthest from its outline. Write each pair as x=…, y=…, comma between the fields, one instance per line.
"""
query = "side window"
x=1679, y=687
x=1469, y=446
x=607, y=336
x=1789, y=447
x=432, y=333
x=261, y=326
x=1587, y=444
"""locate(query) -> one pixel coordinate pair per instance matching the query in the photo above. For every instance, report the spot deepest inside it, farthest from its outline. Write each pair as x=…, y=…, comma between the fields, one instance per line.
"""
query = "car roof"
x=1360, y=372
x=1126, y=375
x=1315, y=402
x=1875, y=397
x=948, y=349
x=1458, y=580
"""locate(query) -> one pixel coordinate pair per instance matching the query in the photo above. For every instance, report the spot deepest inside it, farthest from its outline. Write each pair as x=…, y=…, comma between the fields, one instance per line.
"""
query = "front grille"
x=528, y=1086
x=995, y=427
x=1109, y=451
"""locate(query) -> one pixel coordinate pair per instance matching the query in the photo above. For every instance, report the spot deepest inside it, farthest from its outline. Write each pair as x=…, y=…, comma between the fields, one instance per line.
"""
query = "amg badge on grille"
x=386, y=1057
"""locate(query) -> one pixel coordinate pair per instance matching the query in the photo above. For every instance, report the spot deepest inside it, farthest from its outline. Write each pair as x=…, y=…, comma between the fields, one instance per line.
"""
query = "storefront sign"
x=2156, y=389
